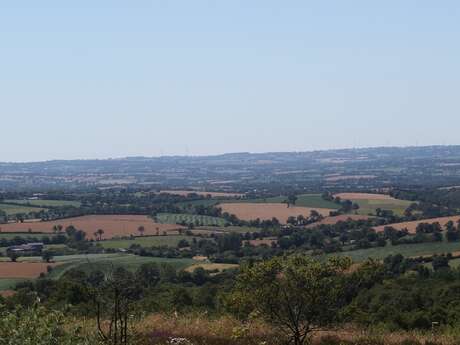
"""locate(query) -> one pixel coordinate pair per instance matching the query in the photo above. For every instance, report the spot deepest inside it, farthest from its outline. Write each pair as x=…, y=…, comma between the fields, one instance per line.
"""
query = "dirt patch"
x=342, y=218
x=23, y=269
x=7, y=293
x=364, y=196
x=113, y=225
x=261, y=242
x=212, y=194
x=266, y=211
x=412, y=226
x=212, y=267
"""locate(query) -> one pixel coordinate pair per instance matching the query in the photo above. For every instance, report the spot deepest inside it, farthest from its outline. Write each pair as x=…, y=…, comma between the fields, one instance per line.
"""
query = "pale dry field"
x=412, y=226
x=23, y=269
x=364, y=196
x=335, y=219
x=212, y=194
x=113, y=225
x=266, y=211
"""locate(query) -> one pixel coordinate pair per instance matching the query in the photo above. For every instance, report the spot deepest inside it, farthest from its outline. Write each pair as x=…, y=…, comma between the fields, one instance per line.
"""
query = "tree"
x=296, y=294
x=141, y=230
x=47, y=256
x=13, y=255
x=292, y=198
x=100, y=232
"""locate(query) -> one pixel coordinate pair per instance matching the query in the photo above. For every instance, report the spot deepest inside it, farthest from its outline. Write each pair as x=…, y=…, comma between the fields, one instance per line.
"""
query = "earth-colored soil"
x=264, y=241
x=212, y=194
x=364, y=196
x=23, y=269
x=7, y=293
x=412, y=226
x=113, y=225
x=336, y=219
x=252, y=211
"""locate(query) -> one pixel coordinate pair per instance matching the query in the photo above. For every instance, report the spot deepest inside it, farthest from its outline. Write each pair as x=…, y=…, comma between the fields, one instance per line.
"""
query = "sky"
x=108, y=78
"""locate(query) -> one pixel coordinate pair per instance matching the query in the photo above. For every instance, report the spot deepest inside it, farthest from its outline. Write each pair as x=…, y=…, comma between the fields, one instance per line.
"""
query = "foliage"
x=296, y=294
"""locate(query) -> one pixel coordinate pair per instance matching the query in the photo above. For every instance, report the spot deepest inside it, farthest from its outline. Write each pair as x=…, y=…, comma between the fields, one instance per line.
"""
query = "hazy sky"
x=95, y=79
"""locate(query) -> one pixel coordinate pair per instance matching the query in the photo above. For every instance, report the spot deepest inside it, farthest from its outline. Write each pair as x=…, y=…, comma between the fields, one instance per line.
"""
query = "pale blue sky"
x=96, y=79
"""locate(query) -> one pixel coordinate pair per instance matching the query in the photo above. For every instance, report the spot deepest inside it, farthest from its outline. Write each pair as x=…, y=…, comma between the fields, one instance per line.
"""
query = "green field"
x=146, y=241
x=45, y=202
x=408, y=250
x=88, y=263
x=16, y=209
x=11, y=235
x=231, y=228
x=305, y=200
x=176, y=218
x=369, y=206
x=203, y=202
x=9, y=284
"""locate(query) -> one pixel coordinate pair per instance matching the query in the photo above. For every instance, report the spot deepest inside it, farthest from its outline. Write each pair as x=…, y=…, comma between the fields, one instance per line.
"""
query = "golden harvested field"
x=23, y=269
x=113, y=225
x=412, y=226
x=212, y=194
x=266, y=211
x=364, y=196
x=336, y=219
x=265, y=241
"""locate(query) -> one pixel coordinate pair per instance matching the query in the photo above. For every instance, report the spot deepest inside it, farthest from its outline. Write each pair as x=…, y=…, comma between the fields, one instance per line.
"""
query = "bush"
x=37, y=326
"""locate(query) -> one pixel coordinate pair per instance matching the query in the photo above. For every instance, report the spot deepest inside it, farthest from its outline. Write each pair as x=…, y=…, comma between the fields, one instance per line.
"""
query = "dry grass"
x=113, y=225
x=412, y=226
x=266, y=211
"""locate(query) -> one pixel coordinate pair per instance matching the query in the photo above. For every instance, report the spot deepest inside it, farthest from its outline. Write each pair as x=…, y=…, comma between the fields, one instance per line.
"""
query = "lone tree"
x=47, y=256
x=99, y=233
x=13, y=255
x=141, y=230
x=297, y=294
x=292, y=199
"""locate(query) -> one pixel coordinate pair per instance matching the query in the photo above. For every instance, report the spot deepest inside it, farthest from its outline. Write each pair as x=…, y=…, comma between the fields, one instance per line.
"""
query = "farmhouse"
x=27, y=249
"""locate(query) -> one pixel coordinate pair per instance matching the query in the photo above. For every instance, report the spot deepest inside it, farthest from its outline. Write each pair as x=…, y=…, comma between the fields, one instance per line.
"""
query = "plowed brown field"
x=336, y=219
x=113, y=225
x=23, y=269
x=266, y=211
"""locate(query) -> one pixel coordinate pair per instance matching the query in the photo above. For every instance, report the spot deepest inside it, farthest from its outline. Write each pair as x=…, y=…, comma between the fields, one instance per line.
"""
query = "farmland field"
x=211, y=267
x=368, y=203
x=212, y=194
x=251, y=211
x=412, y=226
x=304, y=200
x=22, y=269
x=113, y=225
x=408, y=250
x=176, y=218
x=16, y=209
x=146, y=241
x=340, y=218
x=105, y=263
x=45, y=202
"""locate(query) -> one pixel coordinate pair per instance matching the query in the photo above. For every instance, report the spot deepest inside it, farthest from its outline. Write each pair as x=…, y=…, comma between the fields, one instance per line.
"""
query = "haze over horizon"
x=151, y=78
